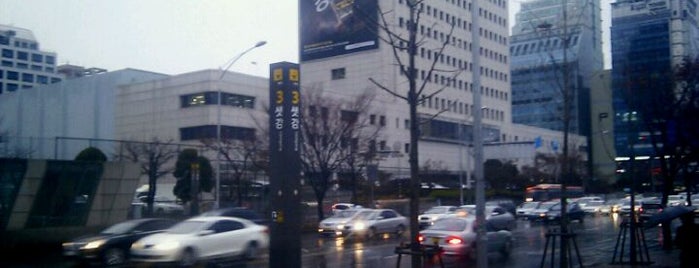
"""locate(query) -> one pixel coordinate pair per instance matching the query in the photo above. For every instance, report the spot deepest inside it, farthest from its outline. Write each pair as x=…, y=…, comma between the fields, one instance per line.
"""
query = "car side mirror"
x=379, y=218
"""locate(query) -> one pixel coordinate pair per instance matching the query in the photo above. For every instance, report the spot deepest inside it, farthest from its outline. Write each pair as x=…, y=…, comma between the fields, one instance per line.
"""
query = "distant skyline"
x=169, y=36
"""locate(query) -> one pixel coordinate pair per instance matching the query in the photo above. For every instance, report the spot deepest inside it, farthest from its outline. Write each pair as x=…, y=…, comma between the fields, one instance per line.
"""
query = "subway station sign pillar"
x=285, y=165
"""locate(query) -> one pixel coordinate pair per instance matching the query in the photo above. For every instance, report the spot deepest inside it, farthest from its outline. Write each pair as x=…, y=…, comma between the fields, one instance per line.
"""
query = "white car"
x=370, y=222
x=202, y=239
x=433, y=214
x=456, y=235
x=335, y=224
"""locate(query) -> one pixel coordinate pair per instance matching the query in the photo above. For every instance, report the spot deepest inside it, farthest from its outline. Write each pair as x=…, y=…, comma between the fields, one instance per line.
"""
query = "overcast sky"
x=166, y=36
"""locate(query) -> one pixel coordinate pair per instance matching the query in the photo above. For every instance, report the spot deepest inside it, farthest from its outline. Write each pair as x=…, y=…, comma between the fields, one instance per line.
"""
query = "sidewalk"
x=659, y=258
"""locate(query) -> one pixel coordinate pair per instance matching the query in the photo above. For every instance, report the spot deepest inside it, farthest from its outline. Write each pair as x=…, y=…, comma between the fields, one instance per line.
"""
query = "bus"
x=548, y=191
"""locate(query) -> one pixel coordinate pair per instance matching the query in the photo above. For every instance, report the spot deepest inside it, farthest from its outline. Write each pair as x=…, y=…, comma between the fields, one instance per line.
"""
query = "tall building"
x=22, y=64
x=341, y=53
x=649, y=39
x=538, y=47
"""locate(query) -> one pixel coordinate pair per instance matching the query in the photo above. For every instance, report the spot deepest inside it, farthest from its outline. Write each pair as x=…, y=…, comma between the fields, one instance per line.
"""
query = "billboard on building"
x=336, y=27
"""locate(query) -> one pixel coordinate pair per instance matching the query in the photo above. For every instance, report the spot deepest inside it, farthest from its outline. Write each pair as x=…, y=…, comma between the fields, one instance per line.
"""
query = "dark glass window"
x=12, y=75
x=37, y=58
x=50, y=59
x=67, y=190
x=209, y=132
x=7, y=63
x=22, y=65
x=42, y=79
x=1, y=73
x=28, y=78
x=338, y=73
x=36, y=67
x=22, y=55
x=12, y=87
x=211, y=98
x=55, y=80
x=8, y=53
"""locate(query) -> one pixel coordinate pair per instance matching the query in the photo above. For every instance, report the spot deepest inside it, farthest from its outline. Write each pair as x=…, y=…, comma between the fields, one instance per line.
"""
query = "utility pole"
x=565, y=165
x=481, y=238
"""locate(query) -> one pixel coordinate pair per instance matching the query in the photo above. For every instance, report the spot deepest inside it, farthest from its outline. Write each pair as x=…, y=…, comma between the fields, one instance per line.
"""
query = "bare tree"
x=663, y=103
x=404, y=51
x=240, y=156
x=334, y=131
x=154, y=158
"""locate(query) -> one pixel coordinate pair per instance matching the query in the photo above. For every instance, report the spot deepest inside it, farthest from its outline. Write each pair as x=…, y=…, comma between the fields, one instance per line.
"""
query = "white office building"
x=22, y=64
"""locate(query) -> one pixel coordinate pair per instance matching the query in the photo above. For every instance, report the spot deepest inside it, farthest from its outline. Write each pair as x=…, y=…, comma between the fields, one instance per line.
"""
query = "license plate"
x=435, y=240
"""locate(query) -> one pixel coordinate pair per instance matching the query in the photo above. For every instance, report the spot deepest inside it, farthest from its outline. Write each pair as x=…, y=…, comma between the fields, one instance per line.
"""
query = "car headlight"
x=94, y=244
x=359, y=226
x=137, y=245
x=167, y=245
x=340, y=226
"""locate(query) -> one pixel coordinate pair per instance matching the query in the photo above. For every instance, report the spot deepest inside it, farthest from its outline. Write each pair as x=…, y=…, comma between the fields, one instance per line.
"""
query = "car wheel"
x=189, y=258
x=371, y=233
x=251, y=251
x=400, y=230
x=114, y=256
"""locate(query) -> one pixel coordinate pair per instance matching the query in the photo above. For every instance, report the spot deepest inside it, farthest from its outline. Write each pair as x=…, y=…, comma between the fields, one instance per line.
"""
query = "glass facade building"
x=649, y=39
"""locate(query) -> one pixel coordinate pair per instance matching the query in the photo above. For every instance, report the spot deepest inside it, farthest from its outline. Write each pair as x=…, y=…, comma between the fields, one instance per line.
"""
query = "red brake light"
x=454, y=240
x=420, y=238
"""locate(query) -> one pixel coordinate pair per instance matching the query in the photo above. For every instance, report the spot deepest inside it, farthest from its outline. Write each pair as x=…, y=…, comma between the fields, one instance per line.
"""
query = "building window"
x=338, y=73
x=7, y=63
x=209, y=132
x=211, y=98
x=22, y=55
x=382, y=121
x=42, y=79
x=22, y=65
x=372, y=117
x=37, y=58
x=7, y=53
x=12, y=75
x=406, y=148
x=50, y=59
x=12, y=87
x=28, y=78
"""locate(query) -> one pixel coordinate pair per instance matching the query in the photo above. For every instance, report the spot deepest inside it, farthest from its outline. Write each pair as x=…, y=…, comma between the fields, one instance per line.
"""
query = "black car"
x=111, y=246
x=238, y=212
x=573, y=210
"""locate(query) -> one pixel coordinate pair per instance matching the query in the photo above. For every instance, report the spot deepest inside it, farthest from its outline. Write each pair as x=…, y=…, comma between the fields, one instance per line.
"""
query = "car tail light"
x=265, y=230
x=420, y=238
x=452, y=240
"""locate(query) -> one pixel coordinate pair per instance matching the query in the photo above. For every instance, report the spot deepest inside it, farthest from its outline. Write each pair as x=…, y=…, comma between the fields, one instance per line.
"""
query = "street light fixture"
x=218, y=122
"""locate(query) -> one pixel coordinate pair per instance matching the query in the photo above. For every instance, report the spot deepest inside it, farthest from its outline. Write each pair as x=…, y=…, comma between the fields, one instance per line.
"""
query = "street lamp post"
x=218, y=120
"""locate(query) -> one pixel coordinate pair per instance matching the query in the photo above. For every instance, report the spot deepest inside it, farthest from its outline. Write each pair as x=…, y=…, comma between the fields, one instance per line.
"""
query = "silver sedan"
x=457, y=236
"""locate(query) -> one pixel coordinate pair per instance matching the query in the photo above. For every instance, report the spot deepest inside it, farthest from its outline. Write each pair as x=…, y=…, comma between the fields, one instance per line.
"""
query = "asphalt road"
x=595, y=238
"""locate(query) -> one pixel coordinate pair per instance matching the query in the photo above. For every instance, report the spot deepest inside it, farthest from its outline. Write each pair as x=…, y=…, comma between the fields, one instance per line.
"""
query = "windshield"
x=436, y=211
x=450, y=224
x=187, y=227
x=530, y=205
x=344, y=214
x=365, y=215
x=548, y=205
x=121, y=228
